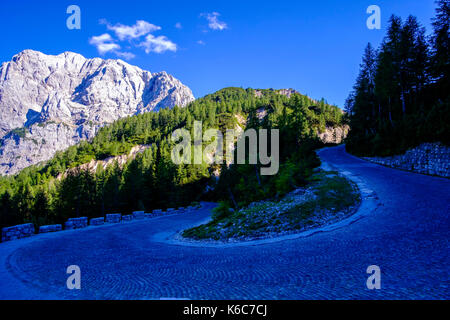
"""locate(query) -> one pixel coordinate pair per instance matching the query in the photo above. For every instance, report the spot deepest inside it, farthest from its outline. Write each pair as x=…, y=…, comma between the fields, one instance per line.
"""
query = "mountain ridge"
x=50, y=102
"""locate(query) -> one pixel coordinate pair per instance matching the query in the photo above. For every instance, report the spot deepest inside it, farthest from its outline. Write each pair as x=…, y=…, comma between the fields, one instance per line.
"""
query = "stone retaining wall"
x=428, y=158
x=50, y=228
x=127, y=217
x=139, y=215
x=76, y=223
x=113, y=217
x=26, y=230
x=17, y=232
x=97, y=221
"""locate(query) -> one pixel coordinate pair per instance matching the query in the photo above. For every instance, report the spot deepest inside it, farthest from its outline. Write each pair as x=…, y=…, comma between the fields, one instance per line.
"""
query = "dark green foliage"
x=8, y=216
x=336, y=194
x=222, y=211
x=401, y=96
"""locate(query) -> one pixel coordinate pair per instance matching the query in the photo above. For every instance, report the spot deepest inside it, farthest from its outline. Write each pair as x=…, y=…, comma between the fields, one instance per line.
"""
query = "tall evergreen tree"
x=441, y=46
x=411, y=90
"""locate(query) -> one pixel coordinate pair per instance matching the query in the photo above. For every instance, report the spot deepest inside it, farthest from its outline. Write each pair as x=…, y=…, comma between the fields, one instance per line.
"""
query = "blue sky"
x=312, y=46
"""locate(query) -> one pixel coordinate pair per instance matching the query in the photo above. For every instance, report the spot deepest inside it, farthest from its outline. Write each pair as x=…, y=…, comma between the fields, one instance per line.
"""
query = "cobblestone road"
x=407, y=236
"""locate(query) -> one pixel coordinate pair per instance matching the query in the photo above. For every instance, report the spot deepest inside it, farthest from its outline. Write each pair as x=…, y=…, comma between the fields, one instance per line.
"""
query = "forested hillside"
x=151, y=180
x=401, y=96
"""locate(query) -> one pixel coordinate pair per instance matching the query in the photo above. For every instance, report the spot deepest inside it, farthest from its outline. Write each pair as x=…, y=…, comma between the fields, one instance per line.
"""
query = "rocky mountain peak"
x=48, y=102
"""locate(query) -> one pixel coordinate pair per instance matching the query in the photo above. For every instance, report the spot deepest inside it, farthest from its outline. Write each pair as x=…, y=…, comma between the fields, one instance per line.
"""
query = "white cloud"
x=158, y=44
x=104, y=43
x=213, y=21
x=123, y=32
x=201, y=42
x=125, y=55
x=178, y=25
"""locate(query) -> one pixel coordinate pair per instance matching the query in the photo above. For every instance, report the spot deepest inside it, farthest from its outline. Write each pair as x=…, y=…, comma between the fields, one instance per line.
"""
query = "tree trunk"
x=390, y=114
x=232, y=198
x=403, y=103
x=257, y=175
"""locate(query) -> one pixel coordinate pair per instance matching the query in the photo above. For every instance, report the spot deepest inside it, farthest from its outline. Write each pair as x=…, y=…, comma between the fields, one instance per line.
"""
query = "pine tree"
x=441, y=46
x=8, y=216
x=410, y=90
x=41, y=209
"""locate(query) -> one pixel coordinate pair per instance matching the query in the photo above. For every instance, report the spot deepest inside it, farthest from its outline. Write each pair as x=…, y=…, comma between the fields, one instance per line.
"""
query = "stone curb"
x=97, y=221
x=27, y=230
x=50, y=228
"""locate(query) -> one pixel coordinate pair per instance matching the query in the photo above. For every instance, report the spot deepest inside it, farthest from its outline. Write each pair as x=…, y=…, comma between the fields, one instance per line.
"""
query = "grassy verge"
x=328, y=198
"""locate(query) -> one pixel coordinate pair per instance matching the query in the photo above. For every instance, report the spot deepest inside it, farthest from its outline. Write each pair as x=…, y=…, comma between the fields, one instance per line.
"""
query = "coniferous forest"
x=59, y=189
x=401, y=95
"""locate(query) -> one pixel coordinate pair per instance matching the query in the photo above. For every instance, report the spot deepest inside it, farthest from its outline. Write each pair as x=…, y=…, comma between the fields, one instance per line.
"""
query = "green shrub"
x=222, y=211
